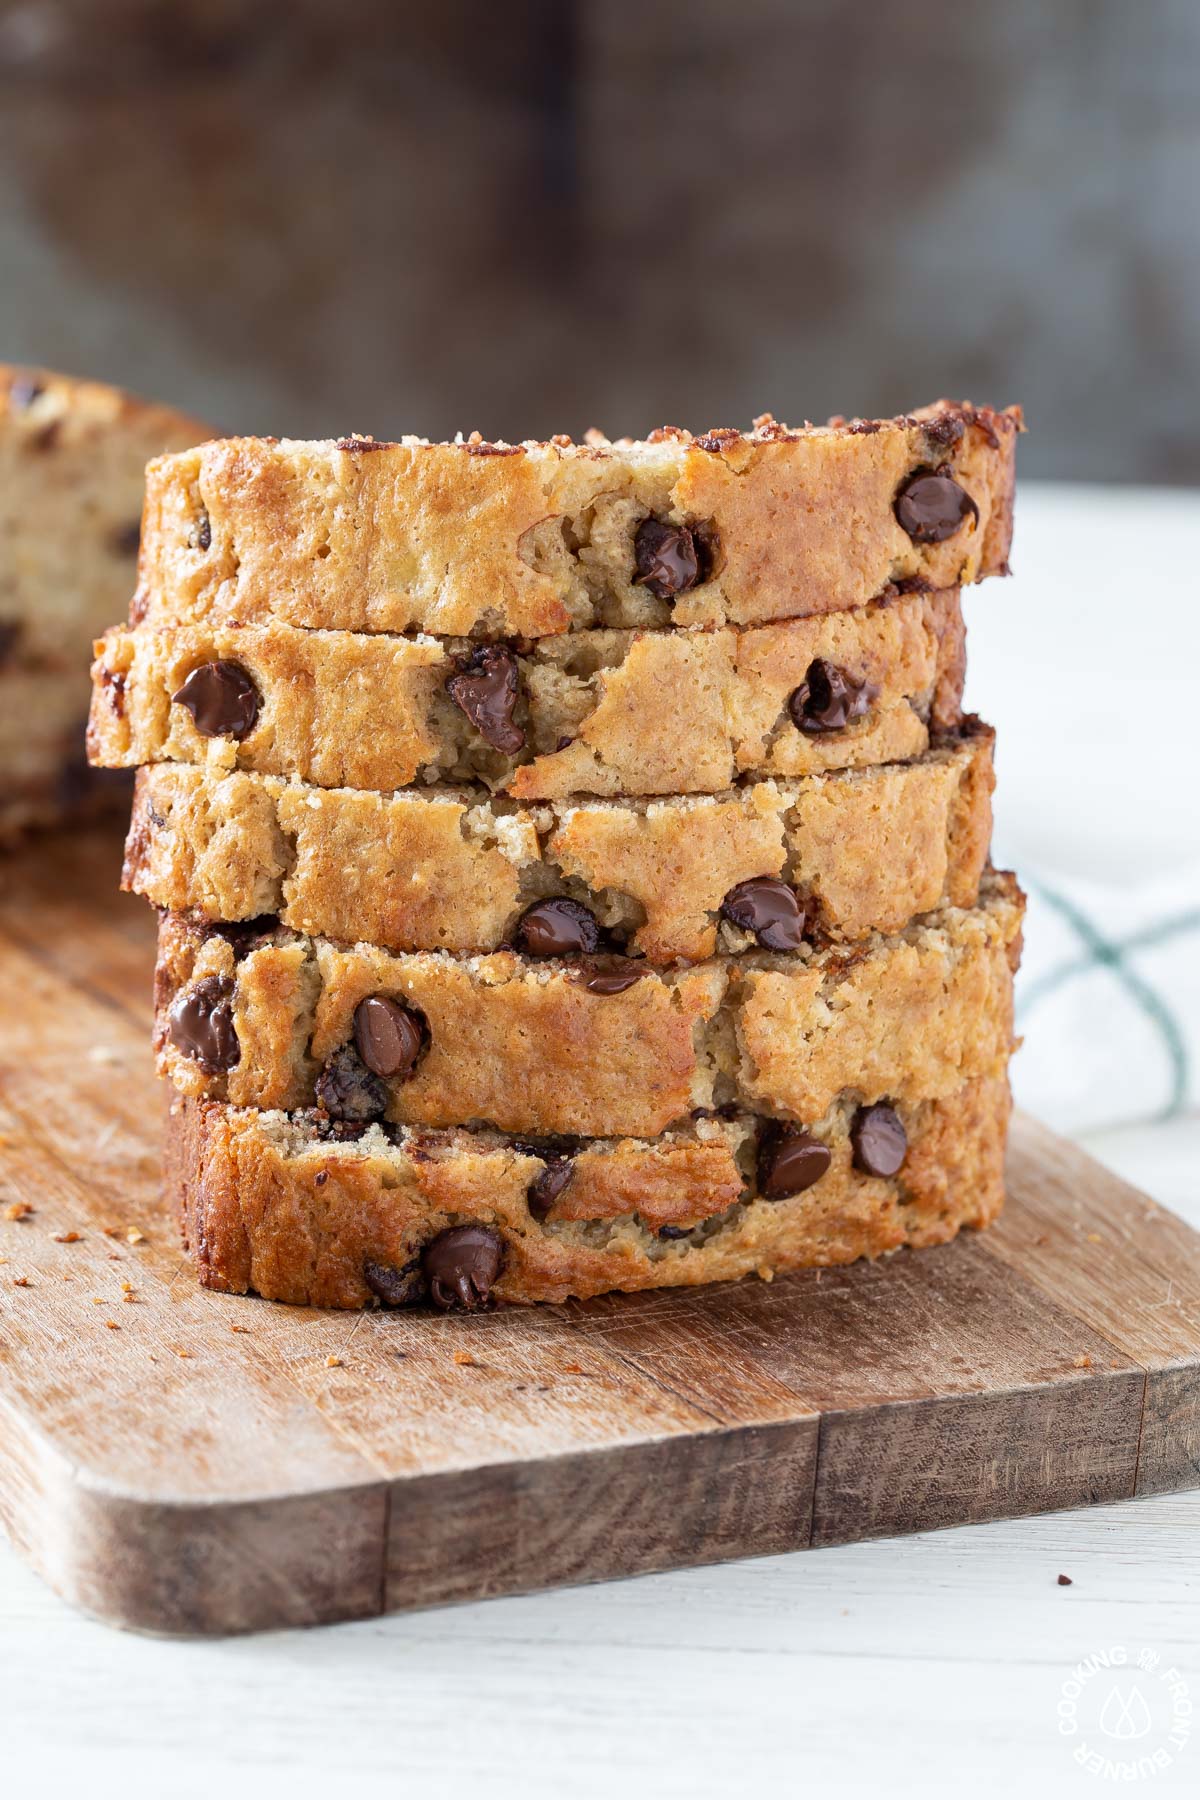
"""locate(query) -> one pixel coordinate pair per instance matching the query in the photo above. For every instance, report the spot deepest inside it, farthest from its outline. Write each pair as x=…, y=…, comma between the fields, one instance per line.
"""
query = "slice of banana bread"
x=772, y=863
x=582, y=713
x=72, y=462
x=282, y=1206
x=595, y=1045
x=496, y=540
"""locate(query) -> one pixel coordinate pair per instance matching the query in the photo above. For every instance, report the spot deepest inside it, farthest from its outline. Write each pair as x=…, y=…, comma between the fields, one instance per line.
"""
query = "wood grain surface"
x=188, y=1462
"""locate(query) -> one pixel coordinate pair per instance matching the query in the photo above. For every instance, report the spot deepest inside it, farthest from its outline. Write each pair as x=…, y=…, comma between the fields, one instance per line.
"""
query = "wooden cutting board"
x=186, y=1462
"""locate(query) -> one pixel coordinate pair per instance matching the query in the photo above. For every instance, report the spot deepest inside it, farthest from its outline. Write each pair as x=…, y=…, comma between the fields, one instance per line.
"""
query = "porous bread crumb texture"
x=349, y=709
x=529, y=1047
x=72, y=461
x=532, y=540
x=267, y=1206
x=865, y=850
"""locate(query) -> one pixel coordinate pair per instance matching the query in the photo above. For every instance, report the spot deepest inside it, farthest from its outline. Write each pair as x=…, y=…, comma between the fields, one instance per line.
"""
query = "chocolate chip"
x=557, y=928
x=347, y=1089
x=670, y=1232
x=389, y=1035
x=364, y=443
x=10, y=635
x=395, y=1287
x=1065, y=1581
x=222, y=700
x=770, y=909
x=461, y=1265
x=545, y=1188
x=201, y=1024
x=202, y=536
x=667, y=558
x=486, y=689
x=114, y=684
x=931, y=506
x=243, y=935
x=609, y=974
x=829, y=698
x=126, y=540
x=24, y=391
x=880, y=1140
x=789, y=1160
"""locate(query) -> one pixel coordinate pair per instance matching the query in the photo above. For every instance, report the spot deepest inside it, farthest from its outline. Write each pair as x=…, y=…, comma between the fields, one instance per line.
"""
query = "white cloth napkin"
x=1088, y=664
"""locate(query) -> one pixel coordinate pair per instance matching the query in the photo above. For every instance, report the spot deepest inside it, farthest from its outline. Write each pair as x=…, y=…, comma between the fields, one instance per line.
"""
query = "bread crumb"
x=20, y=1209
x=130, y=1298
x=112, y=1324
x=98, y=1300
x=572, y=1369
x=111, y=1230
x=66, y=1237
x=134, y=1236
x=244, y=1328
x=333, y=1362
x=1093, y=1237
x=1083, y=1362
x=127, y=1287
x=20, y=1281
x=176, y=1351
x=464, y=1359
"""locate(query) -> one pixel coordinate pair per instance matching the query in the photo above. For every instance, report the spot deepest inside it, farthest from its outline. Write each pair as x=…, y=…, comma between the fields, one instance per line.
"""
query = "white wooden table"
x=930, y=1665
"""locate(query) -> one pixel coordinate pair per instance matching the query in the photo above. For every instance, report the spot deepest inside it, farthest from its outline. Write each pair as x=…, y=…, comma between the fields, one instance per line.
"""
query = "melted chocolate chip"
x=609, y=974
x=245, y=934
x=486, y=689
x=114, y=685
x=390, y=1036
x=829, y=698
x=880, y=1140
x=222, y=700
x=364, y=443
x=931, y=506
x=770, y=909
x=395, y=1287
x=126, y=540
x=789, y=1160
x=557, y=928
x=545, y=1188
x=461, y=1266
x=202, y=539
x=668, y=558
x=201, y=1024
x=670, y=1232
x=347, y=1089
x=10, y=635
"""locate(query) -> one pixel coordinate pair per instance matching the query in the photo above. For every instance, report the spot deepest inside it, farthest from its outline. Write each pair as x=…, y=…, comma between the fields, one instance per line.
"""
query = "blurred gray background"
x=312, y=218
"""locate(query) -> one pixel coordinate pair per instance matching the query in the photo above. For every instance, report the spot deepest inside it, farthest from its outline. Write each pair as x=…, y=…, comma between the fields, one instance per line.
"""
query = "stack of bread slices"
x=573, y=858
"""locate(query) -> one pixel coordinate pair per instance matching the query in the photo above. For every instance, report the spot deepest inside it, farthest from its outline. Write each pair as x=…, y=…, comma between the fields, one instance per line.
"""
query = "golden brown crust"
x=866, y=850
x=527, y=1046
x=347, y=709
x=538, y=539
x=268, y=1207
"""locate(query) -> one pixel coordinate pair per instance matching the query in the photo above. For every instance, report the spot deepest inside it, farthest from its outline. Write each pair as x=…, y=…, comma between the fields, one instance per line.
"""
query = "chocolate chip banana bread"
x=581, y=713
x=771, y=864
x=72, y=457
x=299, y=1209
x=595, y=1045
x=499, y=540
